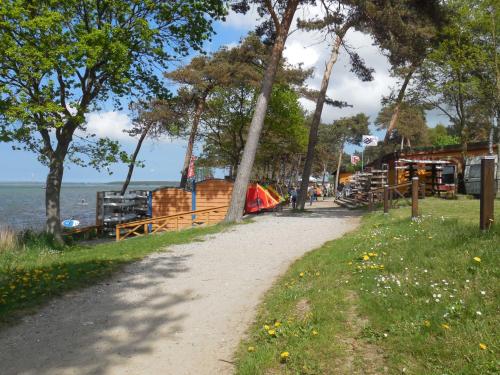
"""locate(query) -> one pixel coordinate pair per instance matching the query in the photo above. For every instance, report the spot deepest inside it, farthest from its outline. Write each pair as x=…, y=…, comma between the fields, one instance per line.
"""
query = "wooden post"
x=370, y=201
x=145, y=229
x=117, y=233
x=487, y=192
x=414, y=197
x=386, y=199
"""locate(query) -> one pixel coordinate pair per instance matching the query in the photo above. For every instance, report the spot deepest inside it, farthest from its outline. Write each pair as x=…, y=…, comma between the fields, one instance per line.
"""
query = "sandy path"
x=174, y=313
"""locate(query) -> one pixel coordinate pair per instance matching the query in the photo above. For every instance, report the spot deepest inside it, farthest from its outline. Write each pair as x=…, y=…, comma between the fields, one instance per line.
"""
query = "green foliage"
x=60, y=59
x=419, y=303
x=460, y=75
x=440, y=136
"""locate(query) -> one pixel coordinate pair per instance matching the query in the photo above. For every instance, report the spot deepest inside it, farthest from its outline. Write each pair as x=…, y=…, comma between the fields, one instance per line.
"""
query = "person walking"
x=293, y=196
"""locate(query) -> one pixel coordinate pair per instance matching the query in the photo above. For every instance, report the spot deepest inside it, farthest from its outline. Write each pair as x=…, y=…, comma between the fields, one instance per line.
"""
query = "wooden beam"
x=487, y=204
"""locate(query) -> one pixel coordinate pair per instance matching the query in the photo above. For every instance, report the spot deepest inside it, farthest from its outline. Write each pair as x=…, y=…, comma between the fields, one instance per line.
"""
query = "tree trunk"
x=313, y=131
x=131, y=166
x=235, y=211
x=339, y=164
x=498, y=154
x=399, y=100
x=189, y=152
x=53, y=197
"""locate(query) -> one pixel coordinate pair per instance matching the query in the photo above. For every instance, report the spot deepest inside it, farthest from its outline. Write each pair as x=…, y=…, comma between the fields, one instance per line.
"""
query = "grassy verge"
x=394, y=297
x=34, y=273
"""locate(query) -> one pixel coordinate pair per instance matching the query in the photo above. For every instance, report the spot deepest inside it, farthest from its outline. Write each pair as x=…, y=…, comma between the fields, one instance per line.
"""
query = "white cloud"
x=240, y=21
x=109, y=124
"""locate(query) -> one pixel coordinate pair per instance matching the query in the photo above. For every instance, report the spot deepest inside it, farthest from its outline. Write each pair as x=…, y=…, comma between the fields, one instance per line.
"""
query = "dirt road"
x=174, y=313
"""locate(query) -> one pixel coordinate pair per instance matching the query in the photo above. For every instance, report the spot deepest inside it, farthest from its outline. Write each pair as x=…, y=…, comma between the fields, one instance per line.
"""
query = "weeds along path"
x=177, y=312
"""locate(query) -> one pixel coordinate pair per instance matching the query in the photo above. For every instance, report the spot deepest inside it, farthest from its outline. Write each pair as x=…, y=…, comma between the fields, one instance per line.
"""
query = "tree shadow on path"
x=91, y=330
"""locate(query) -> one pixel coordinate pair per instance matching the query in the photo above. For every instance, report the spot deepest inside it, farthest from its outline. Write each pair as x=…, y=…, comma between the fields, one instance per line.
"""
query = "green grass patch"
x=396, y=296
x=34, y=272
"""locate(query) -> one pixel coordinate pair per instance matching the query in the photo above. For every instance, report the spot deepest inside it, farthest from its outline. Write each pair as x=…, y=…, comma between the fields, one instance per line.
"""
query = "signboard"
x=370, y=140
x=355, y=159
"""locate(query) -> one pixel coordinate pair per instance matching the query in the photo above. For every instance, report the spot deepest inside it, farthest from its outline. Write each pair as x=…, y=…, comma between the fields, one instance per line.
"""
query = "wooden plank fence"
x=179, y=221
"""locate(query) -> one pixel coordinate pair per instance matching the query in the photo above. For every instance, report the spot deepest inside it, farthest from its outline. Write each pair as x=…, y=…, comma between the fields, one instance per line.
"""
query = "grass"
x=36, y=272
x=394, y=297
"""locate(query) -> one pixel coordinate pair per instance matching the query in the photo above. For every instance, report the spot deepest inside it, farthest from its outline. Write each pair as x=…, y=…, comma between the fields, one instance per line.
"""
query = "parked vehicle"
x=472, y=175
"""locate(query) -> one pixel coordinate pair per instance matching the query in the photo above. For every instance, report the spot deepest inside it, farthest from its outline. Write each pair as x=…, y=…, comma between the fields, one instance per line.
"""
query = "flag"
x=370, y=140
x=191, y=167
x=355, y=159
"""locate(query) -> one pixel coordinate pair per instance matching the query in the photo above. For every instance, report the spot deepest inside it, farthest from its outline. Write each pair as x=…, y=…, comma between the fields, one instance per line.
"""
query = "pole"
x=414, y=197
x=386, y=199
x=362, y=159
x=486, y=214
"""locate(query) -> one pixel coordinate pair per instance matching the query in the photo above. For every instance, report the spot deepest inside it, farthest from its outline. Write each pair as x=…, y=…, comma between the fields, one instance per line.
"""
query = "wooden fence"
x=178, y=221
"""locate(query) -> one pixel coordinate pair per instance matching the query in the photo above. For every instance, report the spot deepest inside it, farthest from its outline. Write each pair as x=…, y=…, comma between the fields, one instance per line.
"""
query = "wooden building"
x=450, y=155
x=206, y=194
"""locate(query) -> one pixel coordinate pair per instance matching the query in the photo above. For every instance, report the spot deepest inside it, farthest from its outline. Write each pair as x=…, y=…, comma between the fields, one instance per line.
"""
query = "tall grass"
x=8, y=239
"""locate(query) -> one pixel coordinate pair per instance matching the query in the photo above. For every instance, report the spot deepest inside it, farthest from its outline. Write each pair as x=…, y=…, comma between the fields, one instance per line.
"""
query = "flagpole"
x=362, y=158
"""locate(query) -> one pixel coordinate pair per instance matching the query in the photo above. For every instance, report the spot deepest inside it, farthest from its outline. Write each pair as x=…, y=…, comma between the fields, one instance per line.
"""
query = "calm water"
x=22, y=205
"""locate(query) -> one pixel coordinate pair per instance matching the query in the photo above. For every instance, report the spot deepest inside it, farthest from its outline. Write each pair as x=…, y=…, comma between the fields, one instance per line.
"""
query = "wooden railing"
x=388, y=192
x=171, y=222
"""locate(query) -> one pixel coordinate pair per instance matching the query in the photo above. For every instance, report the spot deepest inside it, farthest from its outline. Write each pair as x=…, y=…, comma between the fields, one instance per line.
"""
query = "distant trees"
x=60, y=59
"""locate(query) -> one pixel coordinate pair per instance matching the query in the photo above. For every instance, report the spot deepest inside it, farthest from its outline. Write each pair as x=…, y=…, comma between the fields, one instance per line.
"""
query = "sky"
x=163, y=158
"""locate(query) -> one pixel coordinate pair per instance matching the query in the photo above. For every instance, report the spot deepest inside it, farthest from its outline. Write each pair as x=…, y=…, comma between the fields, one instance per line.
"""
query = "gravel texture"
x=174, y=313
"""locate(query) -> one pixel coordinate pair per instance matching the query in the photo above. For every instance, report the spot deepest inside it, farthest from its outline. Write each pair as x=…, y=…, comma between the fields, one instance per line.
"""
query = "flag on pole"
x=355, y=159
x=191, y=173
x=370, y=140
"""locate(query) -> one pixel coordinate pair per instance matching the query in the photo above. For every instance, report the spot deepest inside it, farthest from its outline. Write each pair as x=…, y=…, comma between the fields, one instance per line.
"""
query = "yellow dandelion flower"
x=277, y=324
x=317, y=273
x=284, y=356
x=251, y=349
x=483, y=346
x=301, y=274
x=314, y=332
x=445, y=326
x=366, y=257
x=266, y=327
x=427, y=323
x=12, y=287
x=477, y=259
x=271, y=332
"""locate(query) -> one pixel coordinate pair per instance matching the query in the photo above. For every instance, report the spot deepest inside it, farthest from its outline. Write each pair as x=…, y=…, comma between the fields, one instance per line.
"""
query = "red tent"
x=258, y=199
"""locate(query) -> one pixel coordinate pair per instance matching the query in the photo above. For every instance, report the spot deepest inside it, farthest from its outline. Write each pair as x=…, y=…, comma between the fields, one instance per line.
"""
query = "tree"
x=440, y=136
x=349, y=130
x=60, y=59
x=337, y=21
x=405, y=31
x=412, y=127
x=276, y=29
x=227, y=118
x=153, y=119
x=459, y=76
x=226, y=67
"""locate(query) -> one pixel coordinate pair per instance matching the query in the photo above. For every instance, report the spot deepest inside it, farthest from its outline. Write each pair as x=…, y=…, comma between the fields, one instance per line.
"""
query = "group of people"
x=313, y=193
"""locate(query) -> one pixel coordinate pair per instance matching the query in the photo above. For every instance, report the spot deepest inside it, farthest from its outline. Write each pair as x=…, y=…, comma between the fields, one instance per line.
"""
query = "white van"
x=472, y=175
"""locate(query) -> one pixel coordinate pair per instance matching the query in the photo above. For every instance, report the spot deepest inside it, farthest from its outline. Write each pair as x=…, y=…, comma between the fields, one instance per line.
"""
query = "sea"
x=22, y=204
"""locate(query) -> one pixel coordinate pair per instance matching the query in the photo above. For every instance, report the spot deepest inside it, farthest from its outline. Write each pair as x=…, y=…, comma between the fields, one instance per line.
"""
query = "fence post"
x=117, y=233
x=370, y=200
x=486, y=214
x=386, y=199
x=423, y=190
x=414, y=197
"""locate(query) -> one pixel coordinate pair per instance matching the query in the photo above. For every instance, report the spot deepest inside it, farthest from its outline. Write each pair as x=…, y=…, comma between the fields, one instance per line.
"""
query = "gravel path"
x=174, y=313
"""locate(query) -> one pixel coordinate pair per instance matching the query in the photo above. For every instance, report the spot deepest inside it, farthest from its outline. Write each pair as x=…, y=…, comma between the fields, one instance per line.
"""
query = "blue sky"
x=163, y=159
